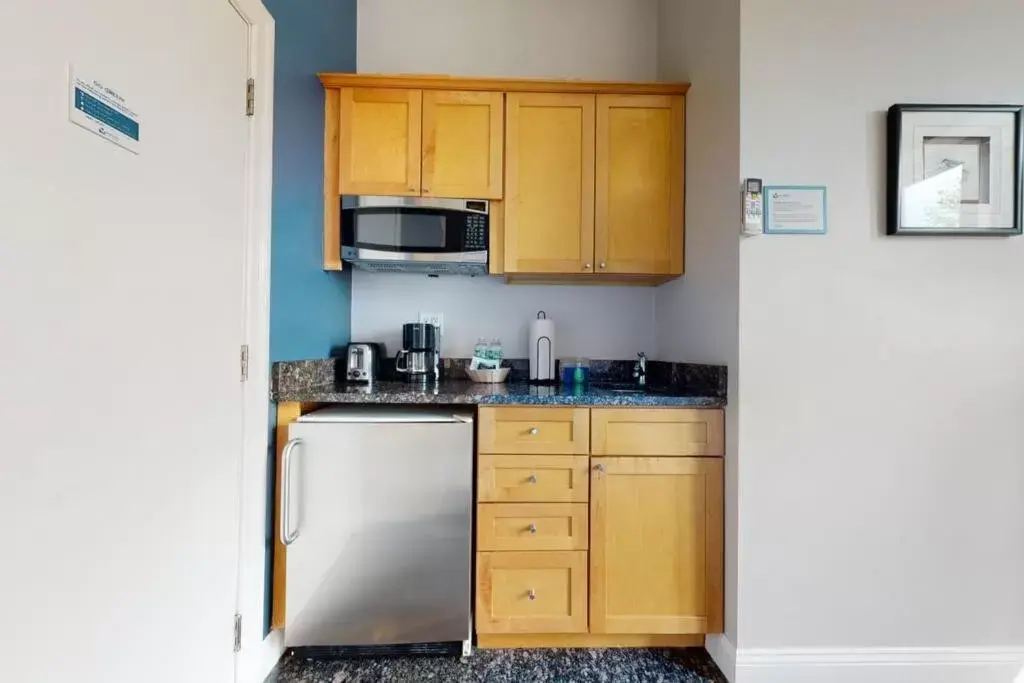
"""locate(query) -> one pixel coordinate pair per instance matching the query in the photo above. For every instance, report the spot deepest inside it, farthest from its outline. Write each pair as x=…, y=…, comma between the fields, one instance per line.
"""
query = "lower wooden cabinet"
x=656, y=545
x=531, y=592
x=619, y=548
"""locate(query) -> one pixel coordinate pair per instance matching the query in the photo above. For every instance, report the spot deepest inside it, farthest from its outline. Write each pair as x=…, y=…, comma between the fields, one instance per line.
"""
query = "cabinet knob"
x=532, y=479
x=586, y=266
x=599, y=468
x=532, y=594
x=602, y=265
x=532, y=528
x=534, y=431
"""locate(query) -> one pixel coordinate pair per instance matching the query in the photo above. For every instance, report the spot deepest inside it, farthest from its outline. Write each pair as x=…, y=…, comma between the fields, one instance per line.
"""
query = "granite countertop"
x=517, y=393
x=682, y=385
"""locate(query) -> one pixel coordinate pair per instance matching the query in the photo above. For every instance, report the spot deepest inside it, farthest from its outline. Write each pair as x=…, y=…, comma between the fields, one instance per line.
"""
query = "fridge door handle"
x=287, y=536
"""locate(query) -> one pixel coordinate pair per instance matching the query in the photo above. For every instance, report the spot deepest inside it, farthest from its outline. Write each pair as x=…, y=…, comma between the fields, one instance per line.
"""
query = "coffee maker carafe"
x=420, y=357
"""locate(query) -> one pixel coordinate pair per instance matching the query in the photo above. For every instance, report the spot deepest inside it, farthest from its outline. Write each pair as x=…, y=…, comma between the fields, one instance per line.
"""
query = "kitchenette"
x=436, y=496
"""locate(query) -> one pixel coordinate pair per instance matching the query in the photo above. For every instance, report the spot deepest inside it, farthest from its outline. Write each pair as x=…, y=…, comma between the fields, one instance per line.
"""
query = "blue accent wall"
x=309, y=308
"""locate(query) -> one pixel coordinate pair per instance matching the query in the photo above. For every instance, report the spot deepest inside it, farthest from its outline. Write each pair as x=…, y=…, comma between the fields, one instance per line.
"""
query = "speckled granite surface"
x=670, y=384
x=466, y=392
x=511, y=666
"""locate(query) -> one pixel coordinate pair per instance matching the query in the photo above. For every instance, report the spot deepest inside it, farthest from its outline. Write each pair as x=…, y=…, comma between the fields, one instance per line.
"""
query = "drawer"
x=535, y=431
x=533, y=478
x=654, y=431
x=532, y=526
x=531, y=592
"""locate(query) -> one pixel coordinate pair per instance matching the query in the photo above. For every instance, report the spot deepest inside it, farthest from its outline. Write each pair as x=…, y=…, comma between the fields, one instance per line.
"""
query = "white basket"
x=488, y=376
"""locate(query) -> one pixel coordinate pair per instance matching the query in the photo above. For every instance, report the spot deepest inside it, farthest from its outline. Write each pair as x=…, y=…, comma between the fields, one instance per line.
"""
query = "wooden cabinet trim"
x=442, y=82
x=332, y=185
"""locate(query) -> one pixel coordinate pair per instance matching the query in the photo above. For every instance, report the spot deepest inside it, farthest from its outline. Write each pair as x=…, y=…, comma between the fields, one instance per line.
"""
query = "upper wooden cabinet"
x=594, y=185
x=590, y=173
x=412, y=143
x=638, y=224
x=379, y=141
x=463, y=134
x=549, y=204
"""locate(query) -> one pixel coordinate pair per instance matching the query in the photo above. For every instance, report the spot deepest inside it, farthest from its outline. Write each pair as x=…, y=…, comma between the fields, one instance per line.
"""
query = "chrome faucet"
x=640, y=369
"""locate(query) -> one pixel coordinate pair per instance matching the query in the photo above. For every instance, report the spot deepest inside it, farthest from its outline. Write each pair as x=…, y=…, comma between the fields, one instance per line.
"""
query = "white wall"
x=598, y=322
x=882, y=383
x=584, y=39
x=698, y=41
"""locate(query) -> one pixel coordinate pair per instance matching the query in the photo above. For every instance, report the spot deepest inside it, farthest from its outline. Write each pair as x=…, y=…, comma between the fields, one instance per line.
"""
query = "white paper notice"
x=99, y=108
x=795, y=210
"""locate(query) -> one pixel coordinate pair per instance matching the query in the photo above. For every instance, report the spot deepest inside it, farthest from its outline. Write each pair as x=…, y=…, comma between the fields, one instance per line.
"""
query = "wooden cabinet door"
x=656, y=545
x=379, y=141
x=549, y=183
x=639, y=209
x=463, y=144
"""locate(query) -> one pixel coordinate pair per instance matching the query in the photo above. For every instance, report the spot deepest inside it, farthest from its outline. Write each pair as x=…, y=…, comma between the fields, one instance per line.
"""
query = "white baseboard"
x=880, y=665
x=723, y=652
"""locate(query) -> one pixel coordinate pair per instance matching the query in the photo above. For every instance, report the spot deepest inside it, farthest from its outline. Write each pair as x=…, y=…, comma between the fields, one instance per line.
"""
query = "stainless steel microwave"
x=417, y=235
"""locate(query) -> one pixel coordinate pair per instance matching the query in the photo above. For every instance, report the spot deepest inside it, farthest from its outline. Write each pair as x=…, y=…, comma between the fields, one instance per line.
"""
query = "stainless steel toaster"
x=362, y=362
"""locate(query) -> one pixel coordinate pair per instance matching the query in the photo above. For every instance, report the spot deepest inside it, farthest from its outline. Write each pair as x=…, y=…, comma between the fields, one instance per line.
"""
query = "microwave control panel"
x=476, y=233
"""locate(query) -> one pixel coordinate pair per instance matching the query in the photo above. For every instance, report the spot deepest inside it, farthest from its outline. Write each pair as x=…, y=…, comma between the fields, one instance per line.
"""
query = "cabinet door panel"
x=639, y=210
x=531, y=592
x=549, y=183
x=463, y=144
x=379, y=145
x=656, y=545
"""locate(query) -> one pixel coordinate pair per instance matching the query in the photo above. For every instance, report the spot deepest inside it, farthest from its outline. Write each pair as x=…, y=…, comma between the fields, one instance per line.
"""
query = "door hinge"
x=250, y=97
x=245, y=362
x=238, y=633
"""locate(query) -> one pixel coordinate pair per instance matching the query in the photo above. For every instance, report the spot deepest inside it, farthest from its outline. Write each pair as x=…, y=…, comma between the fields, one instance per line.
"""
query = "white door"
x=121, y=310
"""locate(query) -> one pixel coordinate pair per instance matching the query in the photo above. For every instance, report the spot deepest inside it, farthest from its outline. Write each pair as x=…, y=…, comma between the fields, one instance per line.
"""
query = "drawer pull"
x=532, y=528
x=532, y=479
x=534, y=431
x=532, y=594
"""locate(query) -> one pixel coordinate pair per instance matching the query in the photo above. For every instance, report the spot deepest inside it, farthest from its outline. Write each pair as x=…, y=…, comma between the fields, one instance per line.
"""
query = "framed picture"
x=955, y=169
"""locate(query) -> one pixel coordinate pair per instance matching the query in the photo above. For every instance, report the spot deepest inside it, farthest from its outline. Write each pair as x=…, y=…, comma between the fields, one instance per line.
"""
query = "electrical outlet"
x=434, y=319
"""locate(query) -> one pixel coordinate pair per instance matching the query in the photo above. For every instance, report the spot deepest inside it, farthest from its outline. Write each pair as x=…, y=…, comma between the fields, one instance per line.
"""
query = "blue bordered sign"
x=795, y=210
x=99, y=108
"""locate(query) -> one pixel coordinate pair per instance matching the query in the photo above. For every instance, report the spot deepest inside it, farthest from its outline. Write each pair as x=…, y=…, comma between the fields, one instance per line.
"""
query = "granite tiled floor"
x=511, y=666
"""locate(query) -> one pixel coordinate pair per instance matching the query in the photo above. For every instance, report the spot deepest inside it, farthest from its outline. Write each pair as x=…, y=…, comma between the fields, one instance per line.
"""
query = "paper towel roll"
x=542, y=348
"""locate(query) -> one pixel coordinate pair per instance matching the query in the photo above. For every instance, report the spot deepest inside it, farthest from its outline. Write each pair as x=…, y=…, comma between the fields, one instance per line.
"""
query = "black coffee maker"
x=420, y=357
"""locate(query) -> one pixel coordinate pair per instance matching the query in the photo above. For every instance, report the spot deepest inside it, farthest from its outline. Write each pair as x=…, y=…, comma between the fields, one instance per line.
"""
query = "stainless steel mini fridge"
x=377, y=506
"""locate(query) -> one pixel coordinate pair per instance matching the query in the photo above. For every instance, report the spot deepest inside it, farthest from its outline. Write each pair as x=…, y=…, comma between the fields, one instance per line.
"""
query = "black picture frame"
x=895, y=183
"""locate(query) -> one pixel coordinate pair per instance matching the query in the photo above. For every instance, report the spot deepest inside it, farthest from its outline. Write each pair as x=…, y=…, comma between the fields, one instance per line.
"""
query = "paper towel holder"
x=544, y=342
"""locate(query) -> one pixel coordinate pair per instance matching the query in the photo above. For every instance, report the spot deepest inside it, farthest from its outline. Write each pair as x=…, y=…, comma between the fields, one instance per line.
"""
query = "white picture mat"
x=918, y=193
